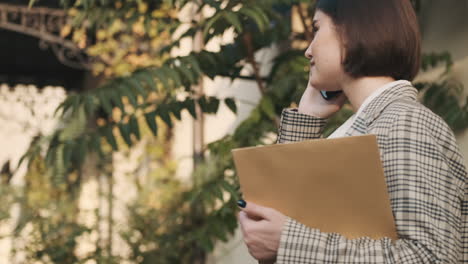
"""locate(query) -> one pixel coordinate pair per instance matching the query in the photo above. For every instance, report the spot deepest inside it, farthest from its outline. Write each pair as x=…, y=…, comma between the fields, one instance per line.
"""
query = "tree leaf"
x=66, y=104
x=67, y=154
x=203, y=104
x=57, y=165
x=256, y=16
x=23, y=158
x=116, y=98
x=51, y=150
x=108, y=133
x=233, y=19
x=76, y=126
x=161, y=77
x=146, y=77
x=185, y=71
x=81, y=151
x=126, y=90
x=268, y=107
x=125, y=133
x=213, y=104
x=76, y=102
x=190, y=105
x=260, y=12
x=105, y=102
x=136, y=86
x=218, y=193
x=230, y=189
x=194, y=64
x=163, y=112
x=89, y=103
x=176, y=108
x=231, y=104
x=209, y=64
x=95, y=144
x=134, y=127
x=209, y=24
x=151, y=122
x=173, y=75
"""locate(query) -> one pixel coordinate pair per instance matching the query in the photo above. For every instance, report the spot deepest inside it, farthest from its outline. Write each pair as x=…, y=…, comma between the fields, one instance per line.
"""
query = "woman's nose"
x=308, y=52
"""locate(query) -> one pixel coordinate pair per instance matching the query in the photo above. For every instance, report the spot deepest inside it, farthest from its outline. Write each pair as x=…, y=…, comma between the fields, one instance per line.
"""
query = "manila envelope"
x=336, y=185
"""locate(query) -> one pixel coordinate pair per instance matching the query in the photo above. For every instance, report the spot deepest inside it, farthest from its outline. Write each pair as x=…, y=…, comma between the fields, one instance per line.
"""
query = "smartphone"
x=330, y=95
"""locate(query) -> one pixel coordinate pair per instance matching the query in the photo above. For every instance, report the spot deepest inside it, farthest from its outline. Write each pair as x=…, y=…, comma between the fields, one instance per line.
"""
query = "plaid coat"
x=426, y=180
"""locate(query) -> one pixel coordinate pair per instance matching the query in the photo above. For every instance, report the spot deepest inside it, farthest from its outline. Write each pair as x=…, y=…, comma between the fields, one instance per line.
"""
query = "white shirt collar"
x=340, y=132
x=377, y=92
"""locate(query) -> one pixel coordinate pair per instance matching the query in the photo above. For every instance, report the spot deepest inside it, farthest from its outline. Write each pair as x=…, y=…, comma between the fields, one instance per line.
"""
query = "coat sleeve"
x=425, y=178
x=295, y=126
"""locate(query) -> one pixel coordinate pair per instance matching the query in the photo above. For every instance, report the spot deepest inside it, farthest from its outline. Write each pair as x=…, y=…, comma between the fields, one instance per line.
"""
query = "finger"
x=246, y=223
x=242, y=217
x=242, y=220
x=256, y=211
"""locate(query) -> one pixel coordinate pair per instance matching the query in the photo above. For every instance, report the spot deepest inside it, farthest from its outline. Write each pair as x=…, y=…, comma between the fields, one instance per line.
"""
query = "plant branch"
x=247, y=38
x=307, y=33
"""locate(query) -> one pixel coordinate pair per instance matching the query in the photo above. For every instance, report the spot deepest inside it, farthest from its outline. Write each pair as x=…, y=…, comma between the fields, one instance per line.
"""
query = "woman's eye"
x=315, y=28
x=314, y=31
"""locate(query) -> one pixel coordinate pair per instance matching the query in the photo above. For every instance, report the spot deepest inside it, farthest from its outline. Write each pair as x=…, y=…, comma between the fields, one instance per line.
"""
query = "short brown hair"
x=381, y=37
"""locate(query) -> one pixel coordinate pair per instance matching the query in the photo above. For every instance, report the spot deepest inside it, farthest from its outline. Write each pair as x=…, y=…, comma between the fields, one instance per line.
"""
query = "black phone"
x=327, y=95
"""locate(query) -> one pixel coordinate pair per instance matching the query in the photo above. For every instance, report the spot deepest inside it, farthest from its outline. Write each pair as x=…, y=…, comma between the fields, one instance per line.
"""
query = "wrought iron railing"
x=44, y=24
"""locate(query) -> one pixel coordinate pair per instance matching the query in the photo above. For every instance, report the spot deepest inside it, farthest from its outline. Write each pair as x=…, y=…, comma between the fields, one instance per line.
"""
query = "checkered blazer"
x=425, y=175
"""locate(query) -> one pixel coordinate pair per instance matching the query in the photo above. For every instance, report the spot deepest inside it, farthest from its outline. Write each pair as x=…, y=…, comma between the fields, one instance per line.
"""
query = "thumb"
x=254, y=210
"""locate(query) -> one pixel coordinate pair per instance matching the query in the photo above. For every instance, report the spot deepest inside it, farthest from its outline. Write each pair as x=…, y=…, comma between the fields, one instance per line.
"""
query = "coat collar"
x=378, y=104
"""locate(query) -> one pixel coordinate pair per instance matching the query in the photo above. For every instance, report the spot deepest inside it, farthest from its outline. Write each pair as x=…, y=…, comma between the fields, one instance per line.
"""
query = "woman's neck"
x=357, y=90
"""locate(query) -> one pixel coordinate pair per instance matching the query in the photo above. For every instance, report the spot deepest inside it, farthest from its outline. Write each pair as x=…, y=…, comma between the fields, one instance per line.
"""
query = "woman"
x=370, y=50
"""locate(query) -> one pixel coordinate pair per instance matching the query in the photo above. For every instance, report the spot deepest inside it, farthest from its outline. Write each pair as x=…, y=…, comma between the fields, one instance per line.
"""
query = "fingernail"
x=241, y=203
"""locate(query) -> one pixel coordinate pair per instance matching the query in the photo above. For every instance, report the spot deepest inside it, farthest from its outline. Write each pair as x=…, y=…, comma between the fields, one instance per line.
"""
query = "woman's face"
x=324, y=53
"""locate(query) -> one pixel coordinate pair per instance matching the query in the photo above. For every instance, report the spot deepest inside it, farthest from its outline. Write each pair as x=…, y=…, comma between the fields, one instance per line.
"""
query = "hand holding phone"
x=321, y=104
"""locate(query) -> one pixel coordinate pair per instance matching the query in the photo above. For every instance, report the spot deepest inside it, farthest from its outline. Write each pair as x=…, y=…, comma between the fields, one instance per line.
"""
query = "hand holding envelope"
x=335, y=185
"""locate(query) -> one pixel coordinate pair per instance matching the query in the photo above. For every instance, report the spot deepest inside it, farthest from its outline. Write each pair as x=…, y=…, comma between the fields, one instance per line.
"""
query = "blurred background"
x=117, y=118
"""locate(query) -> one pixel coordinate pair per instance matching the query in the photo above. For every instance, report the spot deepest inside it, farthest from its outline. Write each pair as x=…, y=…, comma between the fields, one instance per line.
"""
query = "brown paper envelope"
x=336, y=185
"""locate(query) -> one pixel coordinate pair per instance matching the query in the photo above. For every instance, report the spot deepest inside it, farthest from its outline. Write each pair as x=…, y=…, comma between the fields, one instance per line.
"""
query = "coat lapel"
x=378, y=104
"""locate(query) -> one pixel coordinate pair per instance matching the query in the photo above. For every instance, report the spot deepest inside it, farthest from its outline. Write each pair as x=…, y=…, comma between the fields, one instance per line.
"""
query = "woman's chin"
x=317, y=84
x=322, y=86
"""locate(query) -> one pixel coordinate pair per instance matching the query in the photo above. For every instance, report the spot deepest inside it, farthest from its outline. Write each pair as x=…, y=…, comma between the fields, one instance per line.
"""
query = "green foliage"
x=170, y=222
x=175, y=227
x=444, y=95
x=432, y=59
x=47, y=226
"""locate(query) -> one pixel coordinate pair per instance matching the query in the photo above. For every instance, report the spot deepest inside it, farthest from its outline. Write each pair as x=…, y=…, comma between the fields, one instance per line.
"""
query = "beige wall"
x=25, y=111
